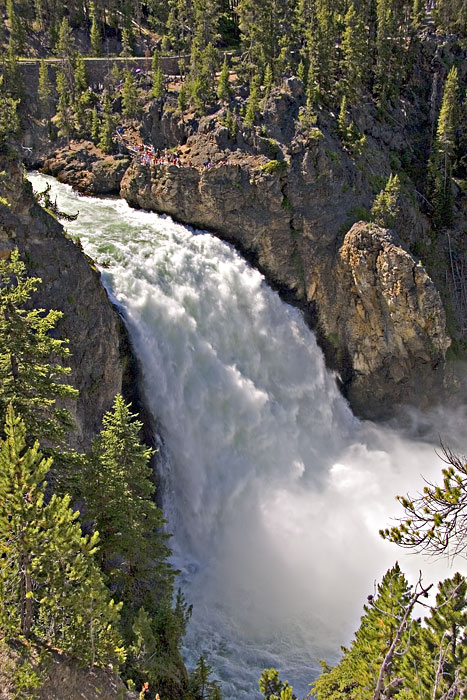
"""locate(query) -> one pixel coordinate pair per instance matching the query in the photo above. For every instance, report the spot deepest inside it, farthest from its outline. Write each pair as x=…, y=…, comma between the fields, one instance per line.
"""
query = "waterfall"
x=274, y=491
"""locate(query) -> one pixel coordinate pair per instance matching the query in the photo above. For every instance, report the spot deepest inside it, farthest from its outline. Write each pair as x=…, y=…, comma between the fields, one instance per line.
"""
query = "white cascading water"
x=275, y=491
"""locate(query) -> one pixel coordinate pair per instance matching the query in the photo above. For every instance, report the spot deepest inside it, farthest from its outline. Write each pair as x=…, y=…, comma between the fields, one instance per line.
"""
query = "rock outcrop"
x=86, y=168
x=389, y=318
x=71, y=285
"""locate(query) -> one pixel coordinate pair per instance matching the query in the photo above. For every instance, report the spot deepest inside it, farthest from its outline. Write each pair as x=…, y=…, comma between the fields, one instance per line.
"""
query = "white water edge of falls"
x=275, y=491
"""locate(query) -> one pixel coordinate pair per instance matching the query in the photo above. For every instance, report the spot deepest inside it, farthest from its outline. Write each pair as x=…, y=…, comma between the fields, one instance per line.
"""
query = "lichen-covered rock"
x=71, y=285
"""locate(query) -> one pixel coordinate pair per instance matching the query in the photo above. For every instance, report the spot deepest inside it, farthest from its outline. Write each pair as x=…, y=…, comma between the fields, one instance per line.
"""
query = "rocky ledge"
x=84, y=167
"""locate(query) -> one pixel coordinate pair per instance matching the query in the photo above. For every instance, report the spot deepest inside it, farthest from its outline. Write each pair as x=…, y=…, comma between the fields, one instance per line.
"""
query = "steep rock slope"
x=71, y=285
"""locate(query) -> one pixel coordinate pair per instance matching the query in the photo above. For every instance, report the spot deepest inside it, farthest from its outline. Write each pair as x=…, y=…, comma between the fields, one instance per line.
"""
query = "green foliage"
x=95, y=125
x=117, y=488
x=201, y=687
x=44, y=90
x=182, y=99
x=130, y=98
x=64, y=107
x=157, y=76
x=31, y=369
x=354, y=63
x=274, y=167
x=253, y=102
x=50, y=585
x=435, y=521
x=355, y=676
x=107, y=126
x=17, y=34
x=95, y=35
x=386, y=206
x=224, y=90
x=444, y=151
x=202, y=76
x=272, y=688
x=9, y=119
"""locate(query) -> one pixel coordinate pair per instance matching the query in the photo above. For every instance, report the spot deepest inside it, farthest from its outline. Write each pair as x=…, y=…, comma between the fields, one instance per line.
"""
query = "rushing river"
x=275, y=491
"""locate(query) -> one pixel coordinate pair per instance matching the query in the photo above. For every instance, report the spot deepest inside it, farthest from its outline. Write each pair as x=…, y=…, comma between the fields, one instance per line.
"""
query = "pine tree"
x=31, y=373
x=157, y=76
x=118, y=490
x=127, y=42
x=437, y=656
x=130, y=101
x=64, y=106
x=342, y=120
x=81, y=99
x=182, y=100
x=355, y=676
x=107, y=126
x=44, y=90
x=354, y=64
x=253, y=102
x=444, y=151
x=95, y=125
x=387, y=203
x=201, y=687
x=50, y=585
x=95, y=35
x=9, y=119
x=17, y=40
x=224, y=90
x=65, y=47
x=268, y=81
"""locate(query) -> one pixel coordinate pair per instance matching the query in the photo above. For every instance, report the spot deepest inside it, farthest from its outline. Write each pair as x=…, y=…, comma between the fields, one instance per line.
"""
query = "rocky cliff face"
x=377, y=312
x=294, y=221
x=71, y=285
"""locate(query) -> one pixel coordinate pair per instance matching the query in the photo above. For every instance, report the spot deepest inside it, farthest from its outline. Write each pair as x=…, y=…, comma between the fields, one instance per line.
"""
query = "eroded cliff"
x=72, y=285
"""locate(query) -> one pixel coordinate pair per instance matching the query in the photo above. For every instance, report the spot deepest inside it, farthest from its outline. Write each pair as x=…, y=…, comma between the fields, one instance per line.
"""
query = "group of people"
x=145, y=693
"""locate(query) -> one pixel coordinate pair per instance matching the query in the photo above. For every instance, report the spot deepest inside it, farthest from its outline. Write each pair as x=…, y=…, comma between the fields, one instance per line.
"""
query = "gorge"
x=273, y=490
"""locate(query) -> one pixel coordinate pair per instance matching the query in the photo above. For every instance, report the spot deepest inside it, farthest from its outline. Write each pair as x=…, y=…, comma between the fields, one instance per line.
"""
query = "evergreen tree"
x=342, y=120
x=9, y=120
x=268, y=81
x=224, y=91
x=253, y=102
x=95, y=125
x=31, y=373
x=127, y=42
x=435, y=663
x=444, y=151
x=201, y=687
x=95, y=35
x=17, y=40
x=64, y=106
x=182, y=100
x=118, y=490
x=387, y=203
x=50, y=585
x=354, y=63
x=202, y=74
x=82, y=97
x=130, y=101
x=107, y=126
x=157, y=76
x=355, y=676
x=44, y=89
